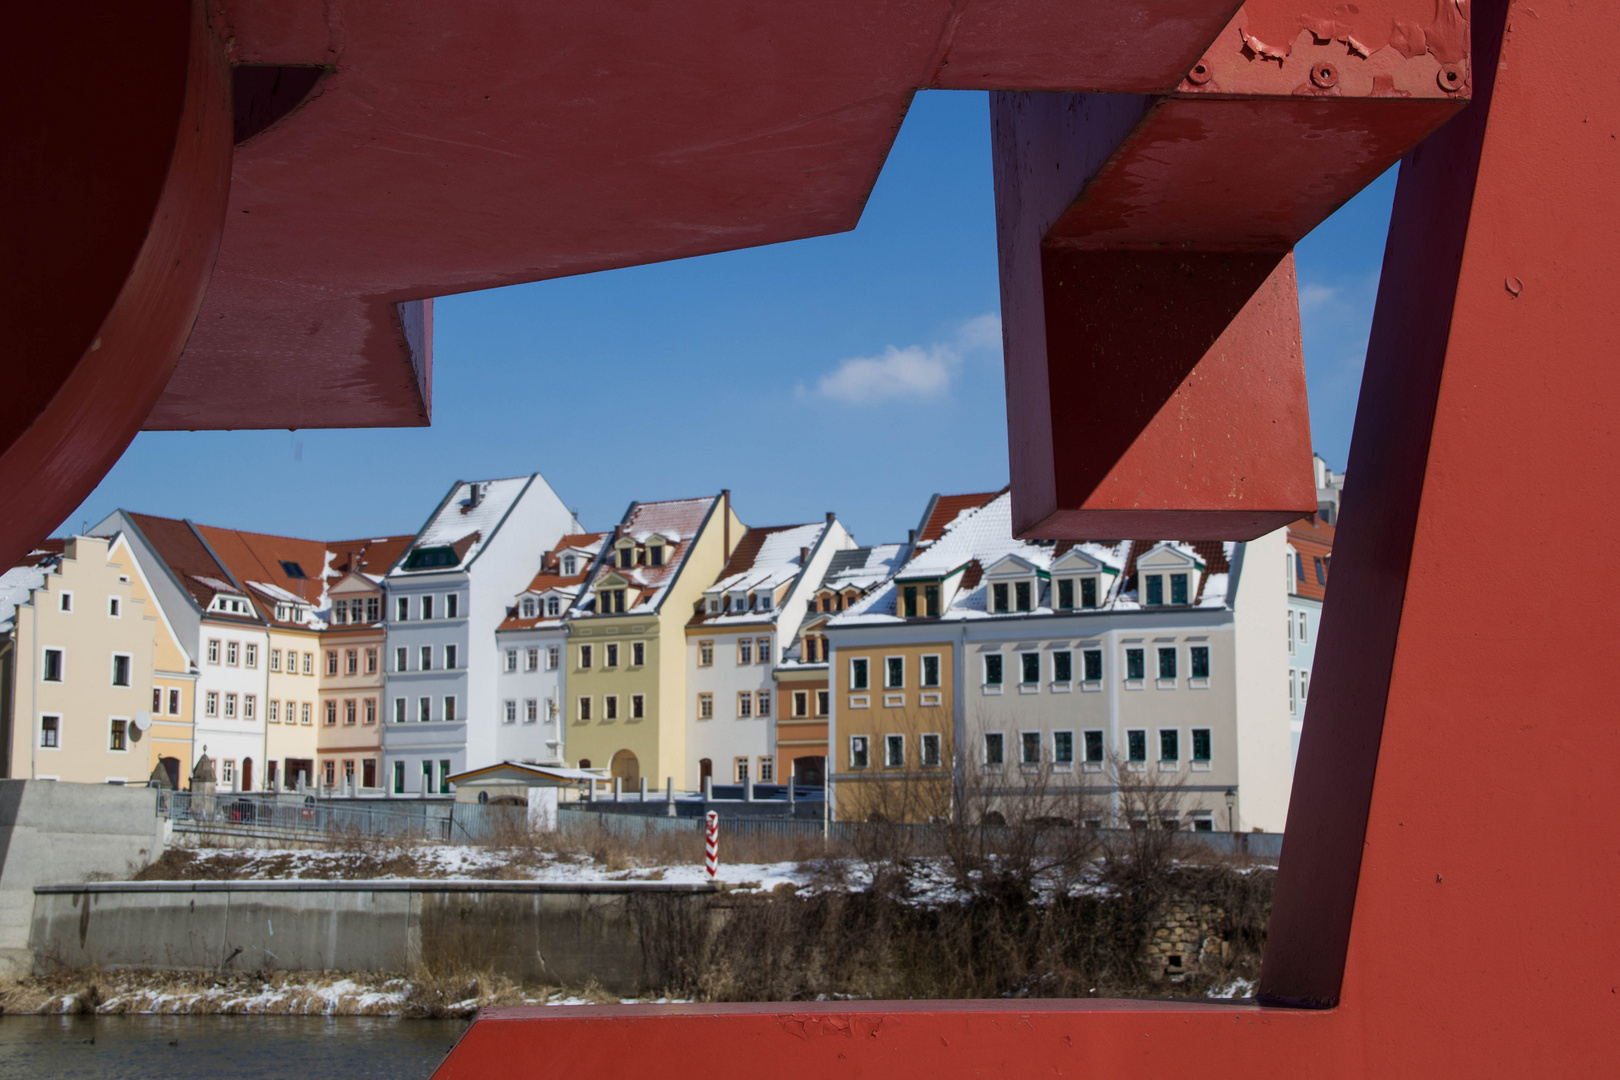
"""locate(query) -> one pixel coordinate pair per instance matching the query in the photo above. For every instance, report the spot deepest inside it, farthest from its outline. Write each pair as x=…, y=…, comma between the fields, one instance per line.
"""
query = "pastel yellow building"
x=174, y=680
x=77, y=667
x=626, y=653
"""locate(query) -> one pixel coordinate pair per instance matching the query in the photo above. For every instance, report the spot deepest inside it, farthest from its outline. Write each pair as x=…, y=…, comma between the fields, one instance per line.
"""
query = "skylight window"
x=293, y=570
x=431, y=558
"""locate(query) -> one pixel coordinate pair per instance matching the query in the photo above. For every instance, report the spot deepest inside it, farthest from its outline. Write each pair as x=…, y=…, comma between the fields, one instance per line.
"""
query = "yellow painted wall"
x=909, y=791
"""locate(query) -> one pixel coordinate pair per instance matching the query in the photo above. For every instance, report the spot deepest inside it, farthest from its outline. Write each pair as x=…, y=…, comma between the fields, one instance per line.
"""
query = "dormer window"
x=714, y=605
x=739, y=603
x=1000, y=596
x=627, y=557
x=1178, y=588
x=1153, y=594
x=553, y=607
x=765, y=601
x=1088, y=592
x=529, y=607
x=655, y=554
x=231, y=605
x=1022, y=596
x=570, y=566
x=920, y=601
x=610, y=602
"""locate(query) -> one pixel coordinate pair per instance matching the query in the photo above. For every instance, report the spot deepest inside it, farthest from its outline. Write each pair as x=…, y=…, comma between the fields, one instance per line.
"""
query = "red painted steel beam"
x=455, y=147
x=115, y=171
x=1155, y=376
x=1446, y=896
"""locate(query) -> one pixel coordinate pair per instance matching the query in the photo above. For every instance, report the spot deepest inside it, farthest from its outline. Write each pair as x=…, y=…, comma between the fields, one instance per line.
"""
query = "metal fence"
x=307, y=817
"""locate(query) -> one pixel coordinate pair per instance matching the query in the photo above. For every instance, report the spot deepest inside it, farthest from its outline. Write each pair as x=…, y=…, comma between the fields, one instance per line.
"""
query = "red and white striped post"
x=711, y=844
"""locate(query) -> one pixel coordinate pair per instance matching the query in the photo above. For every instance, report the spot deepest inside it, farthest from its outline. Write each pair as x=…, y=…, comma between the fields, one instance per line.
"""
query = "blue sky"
x=857, y=373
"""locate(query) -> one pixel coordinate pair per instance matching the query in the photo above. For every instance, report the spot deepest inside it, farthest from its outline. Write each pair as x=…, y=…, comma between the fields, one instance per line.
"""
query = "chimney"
x=911, y=537
x=831, y=517
x=618, y=532
x=804, y=556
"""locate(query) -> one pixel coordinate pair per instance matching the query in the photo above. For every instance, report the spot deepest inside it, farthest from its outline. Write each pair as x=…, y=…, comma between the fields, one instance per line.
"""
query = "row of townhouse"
x=682, y=646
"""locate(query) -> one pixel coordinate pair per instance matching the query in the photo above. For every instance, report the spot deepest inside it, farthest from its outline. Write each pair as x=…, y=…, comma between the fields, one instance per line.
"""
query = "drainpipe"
x=669, y=796
x=725, y=520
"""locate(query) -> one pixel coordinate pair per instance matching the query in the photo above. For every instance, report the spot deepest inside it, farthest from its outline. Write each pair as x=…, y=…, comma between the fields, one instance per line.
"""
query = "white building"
x=446, y=596
x=744, y=622
x=1306, y=562
x=530, y=647
x=213, y=617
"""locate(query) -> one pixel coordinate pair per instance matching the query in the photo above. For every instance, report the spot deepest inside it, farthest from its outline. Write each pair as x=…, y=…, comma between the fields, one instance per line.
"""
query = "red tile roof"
x=548, y=578
x=259, y=557
x=1311, y=539
x=375, y=556
x=185, y=555
x=943, y=510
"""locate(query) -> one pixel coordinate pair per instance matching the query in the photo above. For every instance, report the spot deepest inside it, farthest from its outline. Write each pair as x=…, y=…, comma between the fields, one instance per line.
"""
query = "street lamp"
x=1231, y=802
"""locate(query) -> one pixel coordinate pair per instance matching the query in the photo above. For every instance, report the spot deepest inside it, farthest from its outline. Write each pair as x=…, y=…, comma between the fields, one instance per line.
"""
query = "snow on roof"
x=16, y=586
x=218, y=585
x=552, y=579
x=276, y=592
x=463, y=515
x=674, y=517
x=764, y=560
x=980, y=535
x=861, y=568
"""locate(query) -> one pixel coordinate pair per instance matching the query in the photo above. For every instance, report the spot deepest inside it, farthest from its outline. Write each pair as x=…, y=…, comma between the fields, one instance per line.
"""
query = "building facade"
x=744, y=626
x=626, y=674
x=447, y=595
x=1091, y=669
x=1306, y=563
x=531, y=647
x=78, y=666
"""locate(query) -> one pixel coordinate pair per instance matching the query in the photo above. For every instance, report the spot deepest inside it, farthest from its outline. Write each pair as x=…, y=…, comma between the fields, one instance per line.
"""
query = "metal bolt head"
x=1325, y=75
x=1200, y=73
x=1450, y=78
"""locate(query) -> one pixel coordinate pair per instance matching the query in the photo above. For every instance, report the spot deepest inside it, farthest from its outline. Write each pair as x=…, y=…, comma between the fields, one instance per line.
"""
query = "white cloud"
x=1313, y=297
x=916, y=371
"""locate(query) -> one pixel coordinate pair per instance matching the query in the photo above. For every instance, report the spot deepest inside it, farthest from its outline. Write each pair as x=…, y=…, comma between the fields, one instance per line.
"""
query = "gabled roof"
x=1311, y=539
x=861, y=568
x=466, y=520
x=944, y=509
x=550, y=578
x=187, y=557
x=273, y=568
x=764, y=559
x=678, y=521
x=979, y=536
x=371, y=556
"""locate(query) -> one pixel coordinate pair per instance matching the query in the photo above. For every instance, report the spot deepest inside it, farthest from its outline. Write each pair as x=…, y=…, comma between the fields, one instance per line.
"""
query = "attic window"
x=765, y=600
x=1155, y=589
x=998, y=597
x=655, y=554
x=529, y=608
x=1178, y=588
x=611, y=602
x=430, y=558
x=739, y=603
x=1022, y=595
x=714, y=605
x=627, y=557
x=569, y=566
x=553, y=606
x=293, y=570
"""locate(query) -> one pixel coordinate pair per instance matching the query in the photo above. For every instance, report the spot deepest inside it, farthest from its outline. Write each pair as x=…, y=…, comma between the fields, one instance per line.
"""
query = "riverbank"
x=168, y=993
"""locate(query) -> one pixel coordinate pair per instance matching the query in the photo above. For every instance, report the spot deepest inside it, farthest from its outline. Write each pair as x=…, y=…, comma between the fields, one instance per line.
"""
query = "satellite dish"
x=143, y=720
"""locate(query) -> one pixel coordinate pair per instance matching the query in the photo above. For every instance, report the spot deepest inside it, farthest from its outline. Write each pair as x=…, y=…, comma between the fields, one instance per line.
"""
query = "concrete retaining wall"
x=54, y=831
x=538, y=932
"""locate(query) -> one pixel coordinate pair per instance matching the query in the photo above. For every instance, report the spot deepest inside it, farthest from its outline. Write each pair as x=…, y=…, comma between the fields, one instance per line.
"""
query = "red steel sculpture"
x=236, y=213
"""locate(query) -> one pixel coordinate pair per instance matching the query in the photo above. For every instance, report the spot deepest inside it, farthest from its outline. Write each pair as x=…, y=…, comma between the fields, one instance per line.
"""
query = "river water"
x=222, y=1047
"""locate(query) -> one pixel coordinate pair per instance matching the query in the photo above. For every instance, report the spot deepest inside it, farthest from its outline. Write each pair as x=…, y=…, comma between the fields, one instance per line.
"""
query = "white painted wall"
x=1260, y=647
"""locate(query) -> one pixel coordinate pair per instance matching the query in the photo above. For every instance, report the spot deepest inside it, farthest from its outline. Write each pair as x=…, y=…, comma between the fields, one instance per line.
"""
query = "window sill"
x=1092, y=766
x=1029, y=688
x=1164, y=684
x=1169, y=766
x=1091, y=686
x=860, y=701
x=1201, y=766
x=1062, y=687
x=991, y=689
x=1133, y=684
x=1198, y=684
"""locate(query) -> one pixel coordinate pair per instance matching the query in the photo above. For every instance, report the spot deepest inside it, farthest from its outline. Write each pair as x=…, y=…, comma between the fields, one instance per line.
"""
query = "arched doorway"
x=247, y=774
x=705, y=770
x=625, y=767
x=171, y=766
x=584, y=762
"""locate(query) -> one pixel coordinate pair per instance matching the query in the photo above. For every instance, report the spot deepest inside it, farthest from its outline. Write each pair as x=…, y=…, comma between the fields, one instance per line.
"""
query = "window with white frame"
x=1293, y=705
x=705, y=706
x=1063, y=749
x=531, y=659
x=303, y=714
x=823, y=702
x=1201, y=746
x=1062, y=666
x=739, y=770
x=250, y=656
x=450, y=658
x=174, y=703
x=610, y=654
x=230, y=706
x=553, y=657
x=273, y=711
x=450, y=707
x=995, y=749
x=705, y=654
x=638, y=654
x=894, y=672
x=402, y=609
x=1029, y=748
x=275, y=659
x=309, y=663
x=1153, y=589
x=509, y=711
x=1136, y=746
x=113, y=608
x=1198, y=661
x=211, y=703
x=530, y=608
x=570, y=566
x=1178, y=589
x=762, y=704
x=511, y=659
x=767, y=769
x=232, y=652
x=992, y=669
x=928, y=748
x=762, y=650
x=425, y=658
x=1029, y=668
x=121, y=664
x=930, y=671
x=213, y=650
x=858, y=673
x=1167, y=663
x=610, y=707
x=586, y=655
x=250, y=706
x=65, y=603
x=553, y=607
x=50, y=732
x=859, y=750
x=745, y=651
x=531, y=710
x=51, y=668
x=424, y=710
x=638, y=707
x=401, y=655
x=801, y=703
x=1094, y=749
x=745, y=704
x=1169, y=745
x=1135, y=665
x=894, y=751
x=427, y=608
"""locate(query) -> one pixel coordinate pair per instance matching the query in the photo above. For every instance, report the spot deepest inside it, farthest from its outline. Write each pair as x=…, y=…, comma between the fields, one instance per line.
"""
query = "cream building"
x=78, y=665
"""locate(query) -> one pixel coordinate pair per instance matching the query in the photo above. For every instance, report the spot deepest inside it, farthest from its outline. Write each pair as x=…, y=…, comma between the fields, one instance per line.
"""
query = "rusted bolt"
x=1325, y=75
x=1200, y=73
x=1450, y=78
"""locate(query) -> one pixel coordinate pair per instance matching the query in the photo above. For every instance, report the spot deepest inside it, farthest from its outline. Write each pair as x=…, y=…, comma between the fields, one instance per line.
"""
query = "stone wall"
x=563, y=934
x=59, y=832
